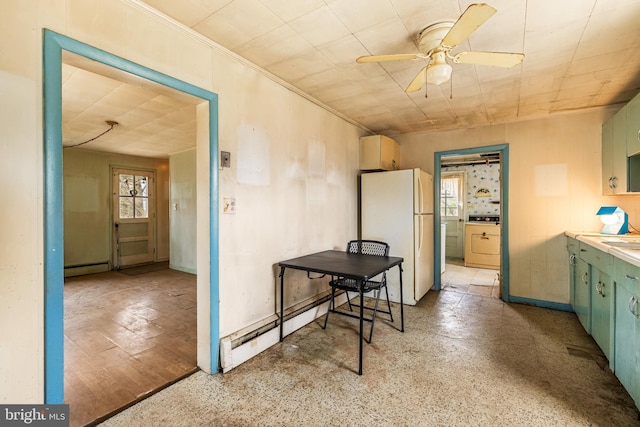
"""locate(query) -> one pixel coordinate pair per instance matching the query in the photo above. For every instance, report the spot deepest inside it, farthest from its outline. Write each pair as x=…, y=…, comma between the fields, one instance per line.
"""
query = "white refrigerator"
x=397, y=208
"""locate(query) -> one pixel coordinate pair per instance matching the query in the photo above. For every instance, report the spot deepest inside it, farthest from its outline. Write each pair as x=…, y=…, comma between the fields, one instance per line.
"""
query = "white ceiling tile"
x=341, y=52
x=388, y=37
x=610, y=31
x=419, y=14
x=283, y=42
x=300, y=66
x=551, y=15
x=289, y=10
x=320, y=26
x=189, y=12
x=238, y=22
x=357, y=15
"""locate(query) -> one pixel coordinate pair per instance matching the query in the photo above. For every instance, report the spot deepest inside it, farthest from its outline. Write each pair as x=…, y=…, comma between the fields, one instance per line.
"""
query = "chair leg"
x=348, y=300
x=373, y=317
x=331, y=305
x=386, y=291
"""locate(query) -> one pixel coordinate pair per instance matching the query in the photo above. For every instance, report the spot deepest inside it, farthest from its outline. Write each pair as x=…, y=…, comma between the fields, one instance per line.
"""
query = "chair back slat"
x=368, y=247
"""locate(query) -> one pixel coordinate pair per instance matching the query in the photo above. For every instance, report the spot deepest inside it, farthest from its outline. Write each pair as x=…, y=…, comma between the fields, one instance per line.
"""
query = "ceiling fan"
x=437, y=40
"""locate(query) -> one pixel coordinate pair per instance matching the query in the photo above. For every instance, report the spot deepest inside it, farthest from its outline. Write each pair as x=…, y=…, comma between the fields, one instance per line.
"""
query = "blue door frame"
x=503, y=149
x=54, y=44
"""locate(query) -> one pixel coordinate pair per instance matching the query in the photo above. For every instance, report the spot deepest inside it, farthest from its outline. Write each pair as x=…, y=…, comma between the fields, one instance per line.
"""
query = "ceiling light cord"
x=111, y=124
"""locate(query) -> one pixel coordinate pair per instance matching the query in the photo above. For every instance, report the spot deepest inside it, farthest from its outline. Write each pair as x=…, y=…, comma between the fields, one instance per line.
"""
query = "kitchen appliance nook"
x=482, y=242
x=397, y=208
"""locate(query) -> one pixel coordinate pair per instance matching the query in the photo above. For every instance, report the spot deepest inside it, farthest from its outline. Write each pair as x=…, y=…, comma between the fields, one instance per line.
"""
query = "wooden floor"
x=126, y=335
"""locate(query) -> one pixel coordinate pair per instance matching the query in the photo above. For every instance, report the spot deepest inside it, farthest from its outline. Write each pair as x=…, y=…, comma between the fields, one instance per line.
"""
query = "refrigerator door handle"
x=420, y=242
x=420, y=196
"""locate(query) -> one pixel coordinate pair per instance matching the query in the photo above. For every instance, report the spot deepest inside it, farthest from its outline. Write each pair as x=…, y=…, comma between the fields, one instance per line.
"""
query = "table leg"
x=361, y=285
x=401, y=301
x=281, y=302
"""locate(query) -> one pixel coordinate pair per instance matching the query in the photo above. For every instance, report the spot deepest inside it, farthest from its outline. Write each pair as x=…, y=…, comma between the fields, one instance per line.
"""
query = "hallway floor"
x=126, y=335
x=463, y=360
x=477, y=281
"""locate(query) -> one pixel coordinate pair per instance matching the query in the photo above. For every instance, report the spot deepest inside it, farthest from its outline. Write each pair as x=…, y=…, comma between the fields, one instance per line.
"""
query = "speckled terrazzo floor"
x=464, y=359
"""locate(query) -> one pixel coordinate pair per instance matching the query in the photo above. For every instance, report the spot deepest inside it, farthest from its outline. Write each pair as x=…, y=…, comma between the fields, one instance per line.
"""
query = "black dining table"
x=358, y=267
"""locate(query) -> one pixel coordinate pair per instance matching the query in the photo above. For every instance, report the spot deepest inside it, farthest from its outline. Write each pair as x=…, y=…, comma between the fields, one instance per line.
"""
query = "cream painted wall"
x=554, y=186
x=182, y=211
x=293, y=175
x=294, y=168
x=88, y=201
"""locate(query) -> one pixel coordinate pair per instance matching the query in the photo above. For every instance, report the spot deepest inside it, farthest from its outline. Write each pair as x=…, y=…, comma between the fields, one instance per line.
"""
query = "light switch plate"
x=229, y=205
x=225, y=159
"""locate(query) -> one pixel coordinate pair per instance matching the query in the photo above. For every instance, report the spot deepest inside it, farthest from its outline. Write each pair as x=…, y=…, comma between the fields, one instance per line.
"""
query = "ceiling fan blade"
x=475, y=15
x=494, y=59
x=418, y=81
x=385, y=58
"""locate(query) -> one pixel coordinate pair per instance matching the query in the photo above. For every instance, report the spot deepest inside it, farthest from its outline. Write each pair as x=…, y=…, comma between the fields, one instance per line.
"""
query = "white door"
x=133, y=217
x=452, y=212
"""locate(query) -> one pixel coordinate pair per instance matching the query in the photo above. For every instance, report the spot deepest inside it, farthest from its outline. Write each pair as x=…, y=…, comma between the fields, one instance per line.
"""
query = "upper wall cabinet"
x=633, y=126
x=614, y=155
x=379, y=152
x=621, y=150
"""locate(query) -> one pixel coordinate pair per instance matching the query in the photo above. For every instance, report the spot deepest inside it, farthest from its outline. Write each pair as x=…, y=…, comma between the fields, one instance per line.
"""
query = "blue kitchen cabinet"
x=633, y=126
x=573, y=247
x=627, y=327
x=597, y=284
x=614, y=154
x=579, y=283
x=602, y=293
x=582, y=294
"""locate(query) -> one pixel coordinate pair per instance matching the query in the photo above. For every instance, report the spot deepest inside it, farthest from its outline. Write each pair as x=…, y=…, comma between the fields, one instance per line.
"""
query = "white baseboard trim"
x=231, y=358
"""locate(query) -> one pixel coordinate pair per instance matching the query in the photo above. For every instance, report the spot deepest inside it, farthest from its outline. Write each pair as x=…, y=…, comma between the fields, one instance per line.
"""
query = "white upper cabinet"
x=379, y=152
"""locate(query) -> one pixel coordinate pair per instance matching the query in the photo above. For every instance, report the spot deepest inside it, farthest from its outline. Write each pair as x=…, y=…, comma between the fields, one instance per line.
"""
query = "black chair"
x=365, y=247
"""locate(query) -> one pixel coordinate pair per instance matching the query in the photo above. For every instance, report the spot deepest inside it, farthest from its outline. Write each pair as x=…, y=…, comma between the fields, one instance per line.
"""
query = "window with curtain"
x=449, y=197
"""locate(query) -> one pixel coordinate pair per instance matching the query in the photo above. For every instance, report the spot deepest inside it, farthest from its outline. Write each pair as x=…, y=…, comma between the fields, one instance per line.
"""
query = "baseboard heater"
x=88, y=268
x=241, y=346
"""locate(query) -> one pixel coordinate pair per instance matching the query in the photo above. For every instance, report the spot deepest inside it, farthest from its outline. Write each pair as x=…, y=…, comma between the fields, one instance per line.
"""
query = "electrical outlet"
x=229, y=205
x=225, y=159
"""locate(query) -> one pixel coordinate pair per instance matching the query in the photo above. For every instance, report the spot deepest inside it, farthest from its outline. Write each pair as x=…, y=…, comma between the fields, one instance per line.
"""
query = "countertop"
x=607, y=243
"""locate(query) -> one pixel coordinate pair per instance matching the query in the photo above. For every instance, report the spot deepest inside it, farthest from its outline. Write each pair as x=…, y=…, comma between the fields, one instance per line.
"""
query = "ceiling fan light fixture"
x=438, y=72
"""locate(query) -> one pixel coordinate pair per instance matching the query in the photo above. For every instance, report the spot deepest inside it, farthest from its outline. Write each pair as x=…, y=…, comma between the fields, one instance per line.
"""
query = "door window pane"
x=133, y=195
x=126, y=207
x=142, y=207
x=126, y=185
x=142, y=190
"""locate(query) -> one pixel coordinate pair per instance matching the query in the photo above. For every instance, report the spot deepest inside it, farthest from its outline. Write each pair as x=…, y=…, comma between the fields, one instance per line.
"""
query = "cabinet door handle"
x=572, y=259
x=585, y=278
x=599, y=288
x=630, y=277
x=614, y=182
x=633, y=306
